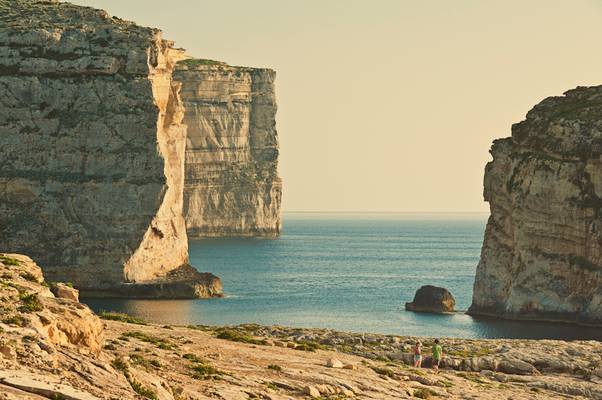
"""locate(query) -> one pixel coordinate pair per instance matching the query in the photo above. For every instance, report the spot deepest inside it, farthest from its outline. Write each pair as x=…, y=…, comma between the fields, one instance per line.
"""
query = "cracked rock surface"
x=542, y=252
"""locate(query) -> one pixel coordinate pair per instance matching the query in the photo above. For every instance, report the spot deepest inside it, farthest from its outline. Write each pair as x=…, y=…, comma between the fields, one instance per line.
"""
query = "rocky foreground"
x=53, y=347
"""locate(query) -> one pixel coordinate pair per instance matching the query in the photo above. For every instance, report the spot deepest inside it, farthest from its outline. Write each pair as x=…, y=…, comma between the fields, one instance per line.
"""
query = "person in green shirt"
x=437, y=354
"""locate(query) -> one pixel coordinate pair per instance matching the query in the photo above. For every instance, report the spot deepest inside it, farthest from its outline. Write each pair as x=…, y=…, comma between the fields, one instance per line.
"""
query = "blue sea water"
x=351, y=272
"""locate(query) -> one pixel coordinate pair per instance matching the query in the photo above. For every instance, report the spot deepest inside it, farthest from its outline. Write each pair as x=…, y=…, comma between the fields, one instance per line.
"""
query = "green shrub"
x=31, y=303
x=384, y=371
x=308, y=346
x=15, y=320
x=425, y=393
x=121, y=317
x=157, y=341
x=275, y=367
x=9, y=261
x=146, y=363
x=143, y=391
x=29, y=277
x=119, y=365
x=205, y=371
x=235, y=336
x=192, y=357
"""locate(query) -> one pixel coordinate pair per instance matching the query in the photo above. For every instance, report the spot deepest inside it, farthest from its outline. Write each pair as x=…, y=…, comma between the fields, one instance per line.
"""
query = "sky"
x=390, y=105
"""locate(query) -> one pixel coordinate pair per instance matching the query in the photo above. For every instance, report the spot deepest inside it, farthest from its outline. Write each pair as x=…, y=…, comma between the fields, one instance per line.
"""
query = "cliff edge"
x=92, y=148
x=542, y=253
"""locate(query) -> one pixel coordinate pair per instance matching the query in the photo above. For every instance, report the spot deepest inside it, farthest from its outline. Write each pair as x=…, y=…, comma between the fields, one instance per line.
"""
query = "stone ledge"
x=185, y=282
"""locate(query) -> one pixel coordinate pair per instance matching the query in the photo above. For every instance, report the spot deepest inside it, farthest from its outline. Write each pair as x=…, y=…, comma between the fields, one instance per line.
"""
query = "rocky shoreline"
x=53, y=347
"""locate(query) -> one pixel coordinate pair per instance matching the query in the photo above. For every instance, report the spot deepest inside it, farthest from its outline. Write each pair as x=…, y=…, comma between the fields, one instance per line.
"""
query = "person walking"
x=417, y=355
x=437, y=355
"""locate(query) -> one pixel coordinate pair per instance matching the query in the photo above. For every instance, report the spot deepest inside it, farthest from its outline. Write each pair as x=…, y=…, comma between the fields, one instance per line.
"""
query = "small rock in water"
x=432, y=299
x=334, y=363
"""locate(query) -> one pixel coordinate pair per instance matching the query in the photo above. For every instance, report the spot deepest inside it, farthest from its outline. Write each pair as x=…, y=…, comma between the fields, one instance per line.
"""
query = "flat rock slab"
x=8, y=392
x=44, y=386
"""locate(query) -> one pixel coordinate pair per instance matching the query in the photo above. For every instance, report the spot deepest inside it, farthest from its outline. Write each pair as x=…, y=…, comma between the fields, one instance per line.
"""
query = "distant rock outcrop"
x=542, y=252
x=432, y=299
x=232, y=186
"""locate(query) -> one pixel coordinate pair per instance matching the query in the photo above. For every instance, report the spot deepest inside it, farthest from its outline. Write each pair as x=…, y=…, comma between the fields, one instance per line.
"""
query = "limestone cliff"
x=232, y=186
x=542, y=252
x=91, y=147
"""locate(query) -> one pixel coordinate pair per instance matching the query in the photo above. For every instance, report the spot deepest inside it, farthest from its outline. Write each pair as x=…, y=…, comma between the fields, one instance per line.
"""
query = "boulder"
x=334, y=363
x=432, y=299
x=8, y=352
x=312, y=391
x=64, y=291
x=516, y=367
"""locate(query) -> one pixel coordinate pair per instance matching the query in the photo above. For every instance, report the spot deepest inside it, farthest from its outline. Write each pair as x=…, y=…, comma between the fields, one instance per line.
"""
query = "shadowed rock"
x=432, y=299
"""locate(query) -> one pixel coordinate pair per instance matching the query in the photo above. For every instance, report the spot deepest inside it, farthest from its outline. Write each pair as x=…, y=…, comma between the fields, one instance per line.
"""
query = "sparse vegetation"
x=383, y=371
x=157, y=341
x=144, y=362
x=309, y=346
x=29, y=277
x=15, y=320
x=275, y=367
x=235, y=336
x=425, y=393
x=119, y=365
x=472, y=377
x=142, y=390
x=205, y=371
x=193, y=62
x=30, y=303
x=9, y=261
x=122, y=317
x=464, y=353
x=193, y=357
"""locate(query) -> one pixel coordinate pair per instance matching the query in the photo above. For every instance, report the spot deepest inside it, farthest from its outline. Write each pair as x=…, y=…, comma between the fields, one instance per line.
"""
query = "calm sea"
x=351, y=272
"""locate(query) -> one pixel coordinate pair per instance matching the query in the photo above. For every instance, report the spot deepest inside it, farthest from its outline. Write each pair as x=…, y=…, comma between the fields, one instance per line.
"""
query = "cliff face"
x=542, y=253
x=232, y=186
x=91, y=145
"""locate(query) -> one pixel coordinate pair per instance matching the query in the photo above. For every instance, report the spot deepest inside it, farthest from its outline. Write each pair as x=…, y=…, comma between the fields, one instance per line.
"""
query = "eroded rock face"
x=31, y=309
x=232, y=186
x=432, y=299
x=91, y=145
x=542, y=252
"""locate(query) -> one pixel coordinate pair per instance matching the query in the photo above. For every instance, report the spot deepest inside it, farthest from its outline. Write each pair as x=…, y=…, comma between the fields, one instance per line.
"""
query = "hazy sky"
x=390, y=105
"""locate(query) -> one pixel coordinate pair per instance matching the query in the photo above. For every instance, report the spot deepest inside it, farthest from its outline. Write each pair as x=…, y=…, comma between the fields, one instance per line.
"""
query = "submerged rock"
x=541, y=257
x=432, y=299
